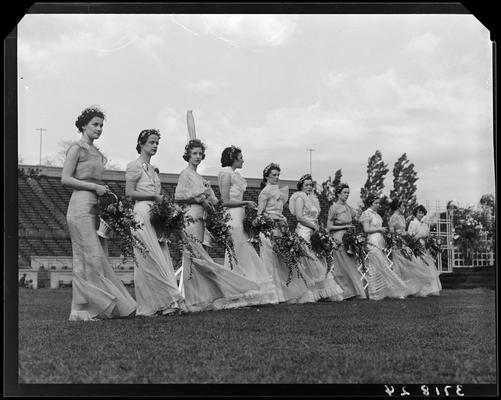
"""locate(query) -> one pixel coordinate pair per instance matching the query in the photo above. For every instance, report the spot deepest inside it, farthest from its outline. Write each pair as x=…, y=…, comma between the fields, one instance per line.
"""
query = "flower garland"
x=216, y=222
x=255, y=224
x=118, y=213
x=323, y=245
x=291, y=248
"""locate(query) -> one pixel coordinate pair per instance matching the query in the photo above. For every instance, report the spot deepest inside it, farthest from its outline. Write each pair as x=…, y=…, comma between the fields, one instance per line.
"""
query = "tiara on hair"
x=305, y=177
x=92, y=109
x=147, y=132
x=270, y=167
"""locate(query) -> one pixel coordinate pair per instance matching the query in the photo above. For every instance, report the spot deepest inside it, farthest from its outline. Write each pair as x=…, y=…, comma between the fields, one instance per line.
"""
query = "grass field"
x=446, y=339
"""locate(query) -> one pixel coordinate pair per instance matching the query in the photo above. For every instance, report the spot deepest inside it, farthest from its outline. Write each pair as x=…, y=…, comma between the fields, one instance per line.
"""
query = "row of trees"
x=404, y=183
x=474, y=226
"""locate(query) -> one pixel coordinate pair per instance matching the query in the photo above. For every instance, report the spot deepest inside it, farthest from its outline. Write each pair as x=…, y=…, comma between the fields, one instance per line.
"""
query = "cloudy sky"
x=274, y=85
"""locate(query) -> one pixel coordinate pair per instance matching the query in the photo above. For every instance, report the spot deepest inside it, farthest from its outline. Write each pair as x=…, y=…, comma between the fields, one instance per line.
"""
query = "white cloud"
x=250, y=30
x=203, y=86
x=423, y=44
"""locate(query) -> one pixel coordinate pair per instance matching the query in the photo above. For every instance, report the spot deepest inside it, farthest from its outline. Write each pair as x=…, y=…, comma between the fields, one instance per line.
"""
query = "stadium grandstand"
x=44, y=245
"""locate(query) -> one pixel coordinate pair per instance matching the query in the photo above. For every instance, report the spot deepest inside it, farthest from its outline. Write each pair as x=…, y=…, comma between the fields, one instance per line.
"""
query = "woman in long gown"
x=419, y=227
x=383, y=282
x=205, y=284
x=345, y=269
x=271, y=202
x=232, y=187
x=304, y=205
x=97, y=292
x=154, y=281
x=413, y=272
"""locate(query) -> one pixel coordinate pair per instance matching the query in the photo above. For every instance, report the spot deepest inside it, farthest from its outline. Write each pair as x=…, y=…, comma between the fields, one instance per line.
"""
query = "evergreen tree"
x=404, y=183
x=376, y=171
x=329, y=187
x=327, y=195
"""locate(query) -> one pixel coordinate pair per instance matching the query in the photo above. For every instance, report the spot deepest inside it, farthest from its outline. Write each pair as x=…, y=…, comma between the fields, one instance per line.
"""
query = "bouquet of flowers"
x=291, y=248
x=434, y=245
x=117, y=216
x=216, y=223
x=355, y=243
x=323, y=245
x=414, y=245
x=397, y=241
x=255, y=224
x=169, y=221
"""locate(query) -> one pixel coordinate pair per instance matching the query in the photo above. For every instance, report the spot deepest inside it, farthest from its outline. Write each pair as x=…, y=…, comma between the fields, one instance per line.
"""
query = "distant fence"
x=452, y=257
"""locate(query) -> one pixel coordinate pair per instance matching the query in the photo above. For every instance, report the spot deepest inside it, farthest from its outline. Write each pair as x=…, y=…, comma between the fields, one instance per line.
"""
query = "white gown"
x=154, y=282
x=205, y=284
x=249, y=264
x=324, y=285
x=296, y=291
x=383, y=282
x=422, y=230
x=413, y=272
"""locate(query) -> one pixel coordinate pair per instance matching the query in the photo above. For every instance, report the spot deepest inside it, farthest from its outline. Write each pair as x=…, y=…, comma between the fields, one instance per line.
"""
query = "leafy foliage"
x=376, y=172
x=118, y=213
x=255, y=224
x=323, y=245
x=290, y=247
x=404, y=183
x=216, y=223
x=355, y=243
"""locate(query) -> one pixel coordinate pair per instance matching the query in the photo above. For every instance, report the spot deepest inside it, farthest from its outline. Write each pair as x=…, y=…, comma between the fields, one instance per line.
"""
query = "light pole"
x=310, y=150
x=41, y=131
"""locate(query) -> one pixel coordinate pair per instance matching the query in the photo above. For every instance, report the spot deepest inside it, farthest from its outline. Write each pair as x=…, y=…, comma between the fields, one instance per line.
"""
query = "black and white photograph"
x=289, y=194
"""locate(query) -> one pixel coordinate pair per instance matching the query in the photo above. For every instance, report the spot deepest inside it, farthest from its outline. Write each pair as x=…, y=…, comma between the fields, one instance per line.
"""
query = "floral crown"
x=91, y=110
x=269, y=167
x=233, y=150
x=305, y=177
x=340, y=186
x=147, y=132
x=195, y=143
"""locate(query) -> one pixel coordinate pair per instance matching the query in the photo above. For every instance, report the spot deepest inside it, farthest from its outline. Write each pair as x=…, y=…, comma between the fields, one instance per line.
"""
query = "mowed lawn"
x=447, y=339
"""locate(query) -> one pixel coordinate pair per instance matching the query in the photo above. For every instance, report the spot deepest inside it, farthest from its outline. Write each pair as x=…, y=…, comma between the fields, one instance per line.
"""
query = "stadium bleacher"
x=43, y=202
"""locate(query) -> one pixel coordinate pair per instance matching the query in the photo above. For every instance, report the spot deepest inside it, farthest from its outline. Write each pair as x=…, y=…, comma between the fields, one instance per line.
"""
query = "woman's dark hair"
x=266, y=172
x=143, y=137
x=192, y=144
x=86, y=116
x=371, y=198
x=339, y=188
x=305, y=177
x=229, y=156
x=419, y=208
x=395, y=204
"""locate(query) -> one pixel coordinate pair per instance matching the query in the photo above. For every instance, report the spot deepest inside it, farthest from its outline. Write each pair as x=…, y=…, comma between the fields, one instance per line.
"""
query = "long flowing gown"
x=205, y=284
x=296, y=291
x=97, y=292
x=345, y=268
x=413, y=272
x=325, y=287
x=249, y=264
x=383, y=282
x=154, y=281
x=421, y=230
